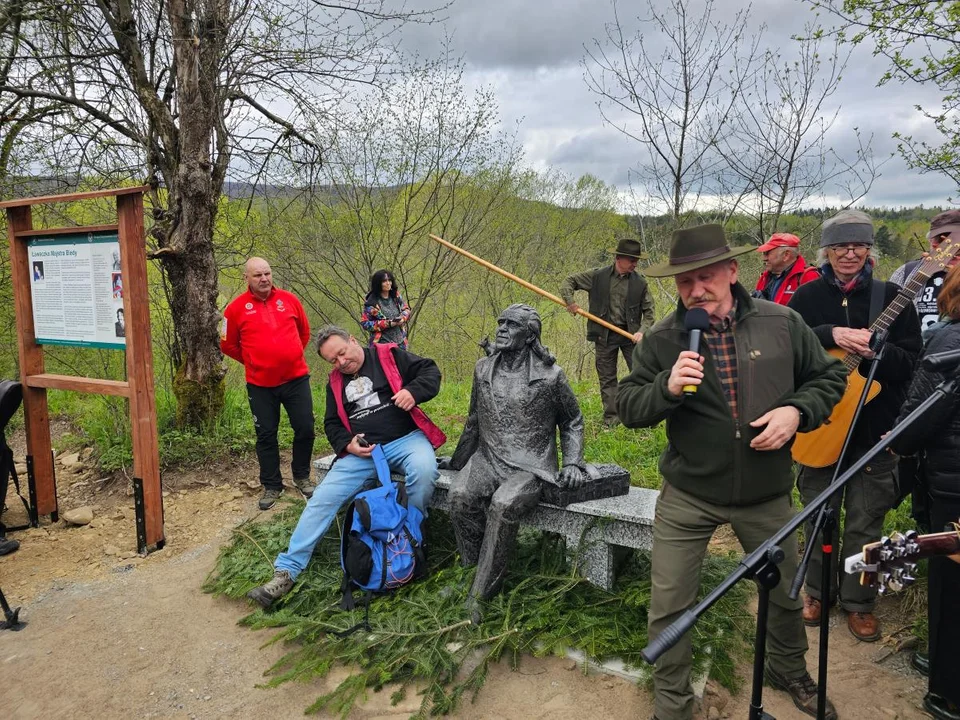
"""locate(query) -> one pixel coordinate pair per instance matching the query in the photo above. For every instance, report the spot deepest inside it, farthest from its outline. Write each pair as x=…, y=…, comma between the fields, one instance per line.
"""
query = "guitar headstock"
x=889, y=564
x=940, y=258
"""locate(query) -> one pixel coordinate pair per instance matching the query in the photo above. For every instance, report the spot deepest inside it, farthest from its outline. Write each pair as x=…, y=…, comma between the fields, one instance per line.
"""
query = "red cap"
x=780, y=240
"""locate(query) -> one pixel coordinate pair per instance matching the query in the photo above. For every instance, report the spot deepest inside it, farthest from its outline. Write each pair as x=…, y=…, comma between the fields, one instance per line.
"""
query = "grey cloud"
x=529, y=53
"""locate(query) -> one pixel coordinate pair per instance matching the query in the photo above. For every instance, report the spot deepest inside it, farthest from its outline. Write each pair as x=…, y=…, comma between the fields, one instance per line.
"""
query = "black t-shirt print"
x=370, y=410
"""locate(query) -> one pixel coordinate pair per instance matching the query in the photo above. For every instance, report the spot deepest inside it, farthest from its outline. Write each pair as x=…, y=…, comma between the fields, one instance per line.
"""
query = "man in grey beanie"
x=840, y=307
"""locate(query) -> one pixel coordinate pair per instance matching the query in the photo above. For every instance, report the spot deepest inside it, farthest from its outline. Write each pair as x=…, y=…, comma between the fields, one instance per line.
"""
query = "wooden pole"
x=531, y=286
x=36, y=419
x=143, y=408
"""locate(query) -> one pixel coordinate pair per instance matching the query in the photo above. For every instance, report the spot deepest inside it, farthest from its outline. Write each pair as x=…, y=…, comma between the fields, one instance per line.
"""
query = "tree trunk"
x=192, y=208
x=192, y=276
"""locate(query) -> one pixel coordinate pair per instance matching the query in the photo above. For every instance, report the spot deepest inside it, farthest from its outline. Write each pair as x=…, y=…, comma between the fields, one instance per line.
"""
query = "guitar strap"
x=877, y=291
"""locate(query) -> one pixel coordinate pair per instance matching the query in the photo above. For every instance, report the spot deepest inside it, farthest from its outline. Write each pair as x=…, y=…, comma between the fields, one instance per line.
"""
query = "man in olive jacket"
x=619, y=295
x=760, y=375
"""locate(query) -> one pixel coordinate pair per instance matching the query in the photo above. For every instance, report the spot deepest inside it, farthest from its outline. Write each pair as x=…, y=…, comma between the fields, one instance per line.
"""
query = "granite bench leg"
x=595, y=561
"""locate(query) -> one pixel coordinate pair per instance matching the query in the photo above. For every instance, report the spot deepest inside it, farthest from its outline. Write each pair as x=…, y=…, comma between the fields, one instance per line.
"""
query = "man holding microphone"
x=732, y=407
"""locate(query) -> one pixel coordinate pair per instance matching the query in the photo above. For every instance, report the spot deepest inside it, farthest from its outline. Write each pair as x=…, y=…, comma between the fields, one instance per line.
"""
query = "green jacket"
x=779, y=362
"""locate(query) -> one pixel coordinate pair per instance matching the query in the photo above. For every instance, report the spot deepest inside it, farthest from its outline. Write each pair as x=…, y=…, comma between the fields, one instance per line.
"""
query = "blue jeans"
x=411, y=455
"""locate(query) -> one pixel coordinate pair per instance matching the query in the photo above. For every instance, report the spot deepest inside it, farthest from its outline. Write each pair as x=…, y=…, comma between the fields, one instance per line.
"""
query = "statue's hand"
x=443, y=463
x=571, y=476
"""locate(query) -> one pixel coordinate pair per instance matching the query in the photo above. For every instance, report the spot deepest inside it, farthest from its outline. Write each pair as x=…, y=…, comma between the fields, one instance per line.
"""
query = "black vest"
x=600, y=306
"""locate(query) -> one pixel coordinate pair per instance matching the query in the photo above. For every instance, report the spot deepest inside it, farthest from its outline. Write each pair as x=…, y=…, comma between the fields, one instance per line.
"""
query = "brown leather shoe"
x=864, y=626
x=811, y=611
x=803, y=692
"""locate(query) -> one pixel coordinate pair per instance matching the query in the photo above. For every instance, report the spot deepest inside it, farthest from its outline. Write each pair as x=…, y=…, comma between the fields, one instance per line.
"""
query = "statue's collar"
x=536, y=370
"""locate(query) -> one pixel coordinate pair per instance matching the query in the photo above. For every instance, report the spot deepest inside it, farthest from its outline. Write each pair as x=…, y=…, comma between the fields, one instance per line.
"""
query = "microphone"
x=942, y=360
x=696, y=322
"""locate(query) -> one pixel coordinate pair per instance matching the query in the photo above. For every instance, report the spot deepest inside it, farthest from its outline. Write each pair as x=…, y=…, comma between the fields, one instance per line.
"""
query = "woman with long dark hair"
x=937, y=436
x=385, y=313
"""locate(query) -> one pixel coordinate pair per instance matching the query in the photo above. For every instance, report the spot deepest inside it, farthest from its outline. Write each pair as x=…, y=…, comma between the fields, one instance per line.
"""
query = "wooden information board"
x=137, y=388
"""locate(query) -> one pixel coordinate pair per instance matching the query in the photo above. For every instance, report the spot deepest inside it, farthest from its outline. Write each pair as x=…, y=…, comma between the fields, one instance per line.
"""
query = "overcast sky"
x=530, y=54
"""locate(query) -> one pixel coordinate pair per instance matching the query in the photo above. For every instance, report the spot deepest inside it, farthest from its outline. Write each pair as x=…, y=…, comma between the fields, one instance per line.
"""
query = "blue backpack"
x=382, y=546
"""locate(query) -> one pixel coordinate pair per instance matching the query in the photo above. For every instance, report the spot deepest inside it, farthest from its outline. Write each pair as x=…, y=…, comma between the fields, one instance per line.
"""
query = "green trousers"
x=606, y=362
x=682, y=528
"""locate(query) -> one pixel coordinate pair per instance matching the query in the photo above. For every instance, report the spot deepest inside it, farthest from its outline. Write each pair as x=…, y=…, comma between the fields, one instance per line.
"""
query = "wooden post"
x=36, y=418
x=143, y=407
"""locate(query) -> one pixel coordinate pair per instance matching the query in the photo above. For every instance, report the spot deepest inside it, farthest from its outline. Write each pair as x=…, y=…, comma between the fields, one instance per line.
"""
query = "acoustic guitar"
x=890, y=564
x=821, y=447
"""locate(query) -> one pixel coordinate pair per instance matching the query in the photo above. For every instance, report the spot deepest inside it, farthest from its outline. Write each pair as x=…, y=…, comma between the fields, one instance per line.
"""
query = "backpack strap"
x=365, y=623
x=381, y=464
x=383, y=475
x=877, y=291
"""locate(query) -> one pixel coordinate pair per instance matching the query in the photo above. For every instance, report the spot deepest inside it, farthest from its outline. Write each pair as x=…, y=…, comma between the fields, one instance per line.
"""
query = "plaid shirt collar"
x=727, y=323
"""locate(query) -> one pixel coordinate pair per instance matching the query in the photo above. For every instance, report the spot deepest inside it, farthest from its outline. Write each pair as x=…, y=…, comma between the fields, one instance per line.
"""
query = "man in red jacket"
x=266, y=329
x=784, y=269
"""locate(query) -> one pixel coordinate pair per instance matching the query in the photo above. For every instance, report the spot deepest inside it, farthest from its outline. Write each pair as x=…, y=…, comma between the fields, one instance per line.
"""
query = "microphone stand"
x=826, y=526
x=761, y=564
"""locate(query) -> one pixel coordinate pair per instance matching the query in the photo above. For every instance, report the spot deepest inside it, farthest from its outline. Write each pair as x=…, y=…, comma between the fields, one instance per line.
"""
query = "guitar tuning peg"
x=885, y=541
x=908, y=579
x=911, y=535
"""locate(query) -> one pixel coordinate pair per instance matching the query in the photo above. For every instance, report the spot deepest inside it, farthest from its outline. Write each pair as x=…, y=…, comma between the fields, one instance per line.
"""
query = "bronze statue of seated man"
x=520, y=398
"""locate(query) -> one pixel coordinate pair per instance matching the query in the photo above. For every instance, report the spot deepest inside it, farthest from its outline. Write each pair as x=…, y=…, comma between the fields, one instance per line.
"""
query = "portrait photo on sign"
x=120, y=326
x=117, y=283
x=115, y=260
x=38, y=270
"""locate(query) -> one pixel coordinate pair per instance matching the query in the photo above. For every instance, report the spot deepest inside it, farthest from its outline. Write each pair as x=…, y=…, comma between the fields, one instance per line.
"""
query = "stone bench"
x=600, y=525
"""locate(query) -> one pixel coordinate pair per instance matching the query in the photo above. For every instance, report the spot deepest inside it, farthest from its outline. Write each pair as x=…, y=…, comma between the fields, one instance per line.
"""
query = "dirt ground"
x=114, y=635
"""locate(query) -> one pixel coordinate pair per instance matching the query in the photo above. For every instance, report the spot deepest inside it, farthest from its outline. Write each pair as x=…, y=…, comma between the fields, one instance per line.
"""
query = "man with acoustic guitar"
x=840, y=307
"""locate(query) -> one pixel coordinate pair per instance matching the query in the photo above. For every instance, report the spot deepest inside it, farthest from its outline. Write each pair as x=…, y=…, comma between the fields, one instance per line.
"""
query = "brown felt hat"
x=945, y=223
x=630, y=248
x=696, y=247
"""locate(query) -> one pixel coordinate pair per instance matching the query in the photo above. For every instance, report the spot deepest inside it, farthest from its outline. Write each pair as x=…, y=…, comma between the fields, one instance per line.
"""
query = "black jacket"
x=821, y=305
x=937, y=432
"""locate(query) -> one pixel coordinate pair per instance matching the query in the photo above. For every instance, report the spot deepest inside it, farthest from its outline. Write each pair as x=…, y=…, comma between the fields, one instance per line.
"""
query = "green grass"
x=420, y=634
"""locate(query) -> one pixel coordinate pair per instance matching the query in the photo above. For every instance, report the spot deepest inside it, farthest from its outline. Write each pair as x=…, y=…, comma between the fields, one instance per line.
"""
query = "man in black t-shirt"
x=373, y=398
x=941, y=228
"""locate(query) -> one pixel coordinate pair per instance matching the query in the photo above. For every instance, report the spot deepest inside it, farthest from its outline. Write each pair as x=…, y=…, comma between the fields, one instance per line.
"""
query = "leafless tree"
x=777, y=154
x=183, y=93
x=673, y=87
x=424, y=156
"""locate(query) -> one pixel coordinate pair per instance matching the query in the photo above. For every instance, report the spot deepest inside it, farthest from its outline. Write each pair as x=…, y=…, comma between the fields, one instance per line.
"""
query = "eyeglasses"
x=855, y=248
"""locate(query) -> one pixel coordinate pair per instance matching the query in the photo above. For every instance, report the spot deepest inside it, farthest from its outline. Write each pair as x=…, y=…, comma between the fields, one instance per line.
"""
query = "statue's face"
x=512, y=332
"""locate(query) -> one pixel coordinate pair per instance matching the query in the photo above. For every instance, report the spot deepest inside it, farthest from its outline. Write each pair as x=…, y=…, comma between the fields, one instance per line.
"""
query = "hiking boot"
x=269, y=497
x=266, y=595
x=306, y=486
x=811, y=611
x=8, y=546
x=863, y=626
x=803, y=692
